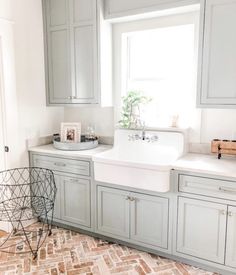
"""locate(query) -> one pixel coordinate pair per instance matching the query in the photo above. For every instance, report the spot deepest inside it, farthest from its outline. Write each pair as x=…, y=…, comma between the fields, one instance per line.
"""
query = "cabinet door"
x=85, y=64
x=83, y=11
x=217, y=68
x=136, y=6
x=149, y=220
x=231, y=238
x=57, y=51
x=75, y=204
x=57, y=205
x=113, y=212
x=201, y=229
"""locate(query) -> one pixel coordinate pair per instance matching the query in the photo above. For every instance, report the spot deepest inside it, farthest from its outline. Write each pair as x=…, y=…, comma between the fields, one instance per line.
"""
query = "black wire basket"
x=27, y=195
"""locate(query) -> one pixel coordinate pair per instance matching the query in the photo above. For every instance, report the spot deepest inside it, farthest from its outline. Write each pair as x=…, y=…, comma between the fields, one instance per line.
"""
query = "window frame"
x=119, y=57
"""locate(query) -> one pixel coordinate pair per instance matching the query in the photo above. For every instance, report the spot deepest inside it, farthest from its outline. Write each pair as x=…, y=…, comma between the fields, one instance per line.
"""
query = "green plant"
x=130, y=116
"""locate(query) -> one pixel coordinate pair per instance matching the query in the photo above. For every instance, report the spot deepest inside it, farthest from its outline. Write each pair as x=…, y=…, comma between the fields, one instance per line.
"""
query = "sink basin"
x=139, y=163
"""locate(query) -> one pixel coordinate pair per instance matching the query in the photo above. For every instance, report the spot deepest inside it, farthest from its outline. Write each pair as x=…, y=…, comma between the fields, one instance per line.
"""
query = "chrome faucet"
x=143, y=136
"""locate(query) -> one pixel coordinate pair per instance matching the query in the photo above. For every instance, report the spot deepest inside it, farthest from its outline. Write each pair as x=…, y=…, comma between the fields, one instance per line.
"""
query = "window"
x=158, y=57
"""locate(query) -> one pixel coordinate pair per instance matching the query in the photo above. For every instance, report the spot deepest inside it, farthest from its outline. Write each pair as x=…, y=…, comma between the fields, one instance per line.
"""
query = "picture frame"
x=71, y=132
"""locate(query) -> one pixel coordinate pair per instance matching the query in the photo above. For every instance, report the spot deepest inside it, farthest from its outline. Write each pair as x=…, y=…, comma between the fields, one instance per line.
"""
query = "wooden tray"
x=227, y=147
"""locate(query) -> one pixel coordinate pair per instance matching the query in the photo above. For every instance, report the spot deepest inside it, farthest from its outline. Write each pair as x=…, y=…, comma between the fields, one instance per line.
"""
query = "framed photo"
x=71, y=132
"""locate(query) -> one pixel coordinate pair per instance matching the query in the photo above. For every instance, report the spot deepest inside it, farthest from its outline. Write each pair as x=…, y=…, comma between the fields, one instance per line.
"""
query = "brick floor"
x=67, y=252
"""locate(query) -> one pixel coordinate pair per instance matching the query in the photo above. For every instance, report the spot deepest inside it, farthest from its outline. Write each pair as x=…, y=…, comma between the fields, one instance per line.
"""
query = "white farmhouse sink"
x=139, y=163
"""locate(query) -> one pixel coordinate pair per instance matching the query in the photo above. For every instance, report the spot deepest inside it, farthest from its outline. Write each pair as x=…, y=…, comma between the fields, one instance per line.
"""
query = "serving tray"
x=85, y=144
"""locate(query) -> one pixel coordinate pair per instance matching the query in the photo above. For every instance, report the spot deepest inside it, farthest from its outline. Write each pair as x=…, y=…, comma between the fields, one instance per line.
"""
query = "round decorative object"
x=85, y=144
x=26, y=195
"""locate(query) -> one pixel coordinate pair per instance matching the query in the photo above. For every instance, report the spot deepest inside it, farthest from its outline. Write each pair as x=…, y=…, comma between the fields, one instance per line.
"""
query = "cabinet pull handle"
x=128, y=198
x=230, y=214
x=222, y=212
x=229, y=190
x=60, y=164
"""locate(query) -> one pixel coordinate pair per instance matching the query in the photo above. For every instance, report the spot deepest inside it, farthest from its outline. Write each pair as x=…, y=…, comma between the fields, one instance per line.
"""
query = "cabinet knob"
x=230, y=214
x=223, y=212
x=128, y=198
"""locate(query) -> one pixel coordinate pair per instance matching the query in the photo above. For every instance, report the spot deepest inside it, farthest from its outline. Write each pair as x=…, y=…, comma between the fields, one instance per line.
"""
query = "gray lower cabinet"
x=139, y=217
x=231, y=238
x=73, y=182
x=75, y=200
x=57, y=205
x=201, y=229
x=149, y=220
x=113, y=212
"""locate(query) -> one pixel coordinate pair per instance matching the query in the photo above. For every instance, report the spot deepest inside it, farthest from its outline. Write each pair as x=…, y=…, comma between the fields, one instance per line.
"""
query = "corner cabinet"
x=217, y=55
x=73, y=181
x=73, y=54
x=205, y=229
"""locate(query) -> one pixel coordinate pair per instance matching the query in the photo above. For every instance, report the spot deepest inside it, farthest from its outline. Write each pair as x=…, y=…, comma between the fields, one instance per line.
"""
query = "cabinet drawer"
x=207, y=187
x=62, y=165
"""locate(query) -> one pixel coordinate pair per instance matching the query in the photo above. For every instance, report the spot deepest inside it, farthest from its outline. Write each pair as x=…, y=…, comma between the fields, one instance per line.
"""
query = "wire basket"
x=26, y=195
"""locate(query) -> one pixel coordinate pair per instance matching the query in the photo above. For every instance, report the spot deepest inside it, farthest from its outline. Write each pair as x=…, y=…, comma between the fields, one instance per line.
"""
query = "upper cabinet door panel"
x=59, y=67
x=84, y=63
x=57, y=10
x=219, y=53
x=84, y=11
x=135, y=6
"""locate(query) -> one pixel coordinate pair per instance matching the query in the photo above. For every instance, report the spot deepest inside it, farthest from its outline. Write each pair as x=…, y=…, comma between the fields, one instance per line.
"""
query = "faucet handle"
x=154, y=138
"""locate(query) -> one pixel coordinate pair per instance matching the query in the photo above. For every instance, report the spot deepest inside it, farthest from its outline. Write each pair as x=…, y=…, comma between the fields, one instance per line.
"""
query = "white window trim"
x=118, y=56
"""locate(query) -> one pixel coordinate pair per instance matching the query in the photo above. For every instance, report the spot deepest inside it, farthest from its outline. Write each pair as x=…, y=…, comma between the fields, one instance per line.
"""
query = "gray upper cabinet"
x=72, y=52
x=201, y=229
x=121, y=8
x=217, y=56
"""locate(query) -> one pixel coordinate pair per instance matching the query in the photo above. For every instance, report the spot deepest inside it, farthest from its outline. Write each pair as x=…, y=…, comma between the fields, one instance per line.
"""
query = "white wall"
x=101, y=118
x=214, y=123
x=35, y=119
x=6, y=9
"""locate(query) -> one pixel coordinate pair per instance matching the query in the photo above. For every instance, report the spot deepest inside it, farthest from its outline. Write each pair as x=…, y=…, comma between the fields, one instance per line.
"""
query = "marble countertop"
x=196, y=163
x=207, y=164
x=49, y=149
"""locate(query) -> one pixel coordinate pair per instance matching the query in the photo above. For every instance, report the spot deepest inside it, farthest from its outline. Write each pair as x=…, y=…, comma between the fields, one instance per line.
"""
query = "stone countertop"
x=49, y=149
x=207, y=164
x=196, y=163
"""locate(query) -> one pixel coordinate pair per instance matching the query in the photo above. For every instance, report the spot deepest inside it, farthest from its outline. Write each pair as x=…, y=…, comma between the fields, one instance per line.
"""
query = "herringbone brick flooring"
x=67, y=252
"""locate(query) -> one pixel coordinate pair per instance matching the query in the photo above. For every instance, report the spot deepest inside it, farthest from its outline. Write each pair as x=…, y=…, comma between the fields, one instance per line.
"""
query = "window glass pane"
x=161, y=63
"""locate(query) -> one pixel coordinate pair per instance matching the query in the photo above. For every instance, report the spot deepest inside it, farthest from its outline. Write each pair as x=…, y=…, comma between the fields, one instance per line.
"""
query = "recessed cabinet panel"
x=59, y=67
x=57, y=12
x=125, y=6
x=57, y=205
x=231, y=238
x=84, y=63
x=113, y=212
x=218, y=85
x=201, y=229
x=76, y=201
x=149, y=220
x=84, y=10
